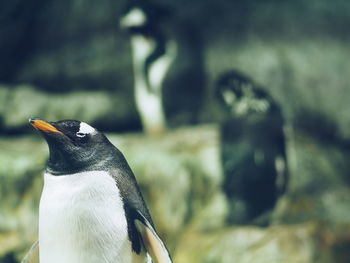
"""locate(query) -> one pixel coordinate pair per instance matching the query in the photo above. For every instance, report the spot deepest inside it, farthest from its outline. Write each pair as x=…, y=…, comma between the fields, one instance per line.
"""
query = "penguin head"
x=134, y=16
x=240, y=95
x=74, y=146
x=142, y=16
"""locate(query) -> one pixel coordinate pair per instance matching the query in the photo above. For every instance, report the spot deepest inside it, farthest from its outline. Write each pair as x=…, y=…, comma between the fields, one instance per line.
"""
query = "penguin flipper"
x=152, y=242
x=32, y=255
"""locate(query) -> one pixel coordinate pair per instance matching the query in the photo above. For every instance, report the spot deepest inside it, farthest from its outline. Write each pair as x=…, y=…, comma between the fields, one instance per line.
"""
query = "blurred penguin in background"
x=252, y=149
x=153, y=53
x=167, y=64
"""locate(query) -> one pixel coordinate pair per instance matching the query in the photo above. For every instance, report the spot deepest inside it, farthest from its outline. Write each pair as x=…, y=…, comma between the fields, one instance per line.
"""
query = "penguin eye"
x=80, y=134
x=82, y=137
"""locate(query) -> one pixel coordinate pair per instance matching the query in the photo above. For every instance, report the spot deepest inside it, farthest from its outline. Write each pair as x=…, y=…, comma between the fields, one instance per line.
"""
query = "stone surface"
x=19, y=103
x=180, y=177
x=319, y=185
x=299, y=243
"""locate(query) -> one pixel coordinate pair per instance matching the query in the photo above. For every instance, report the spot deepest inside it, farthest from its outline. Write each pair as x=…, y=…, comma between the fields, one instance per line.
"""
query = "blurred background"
x=250, y=162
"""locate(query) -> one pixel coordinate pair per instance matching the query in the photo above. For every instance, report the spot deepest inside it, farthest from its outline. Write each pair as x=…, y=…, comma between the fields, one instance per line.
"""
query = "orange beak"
x=43, y=126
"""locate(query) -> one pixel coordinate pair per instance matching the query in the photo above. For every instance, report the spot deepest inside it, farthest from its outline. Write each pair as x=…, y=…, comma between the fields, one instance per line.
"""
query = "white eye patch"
x=85, y=129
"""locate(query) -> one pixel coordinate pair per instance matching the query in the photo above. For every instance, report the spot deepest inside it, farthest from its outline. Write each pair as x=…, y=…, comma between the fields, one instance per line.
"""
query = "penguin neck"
x=142, y=47
x=152, y=56
x=62, y=164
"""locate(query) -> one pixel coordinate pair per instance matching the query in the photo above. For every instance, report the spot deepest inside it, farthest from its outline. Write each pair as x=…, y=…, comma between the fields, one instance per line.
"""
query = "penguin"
x=91, y=208
x=153, y=53
x=253, y=150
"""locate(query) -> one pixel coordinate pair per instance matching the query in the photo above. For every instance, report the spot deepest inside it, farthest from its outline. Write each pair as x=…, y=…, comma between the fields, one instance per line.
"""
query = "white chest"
x=82, y=219
x=142, y=47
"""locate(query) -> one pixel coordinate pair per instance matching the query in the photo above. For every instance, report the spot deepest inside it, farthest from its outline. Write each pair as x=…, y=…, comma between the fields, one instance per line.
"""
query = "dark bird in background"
x=91, y=208
x=153, y=53
x=167, y=63
x=252, y=149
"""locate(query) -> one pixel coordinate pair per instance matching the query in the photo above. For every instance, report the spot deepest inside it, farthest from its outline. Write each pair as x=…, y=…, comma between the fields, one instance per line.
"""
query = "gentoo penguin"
x=153, y=53
x=91, y=208
x=253, y=149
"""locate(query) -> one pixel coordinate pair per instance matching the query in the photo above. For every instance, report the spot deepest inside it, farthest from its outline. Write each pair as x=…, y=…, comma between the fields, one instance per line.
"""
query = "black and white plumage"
x=253, y=148
x=91, y=208
x=153, y=53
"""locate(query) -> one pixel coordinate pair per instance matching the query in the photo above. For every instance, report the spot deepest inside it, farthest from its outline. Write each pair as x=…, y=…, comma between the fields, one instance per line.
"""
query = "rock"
x=302, y=243
x=21, y=102
x=319, y=186
x=21, y=164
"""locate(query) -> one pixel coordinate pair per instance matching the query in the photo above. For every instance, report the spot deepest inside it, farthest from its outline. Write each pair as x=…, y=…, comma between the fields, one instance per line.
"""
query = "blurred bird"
x=91, y=208
x=253, y=148
x=153, y=54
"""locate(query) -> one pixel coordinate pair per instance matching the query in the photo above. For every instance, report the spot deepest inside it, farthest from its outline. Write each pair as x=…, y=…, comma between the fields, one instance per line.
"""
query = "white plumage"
x=149, y=98
x=82, y=219
x=86, y=128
